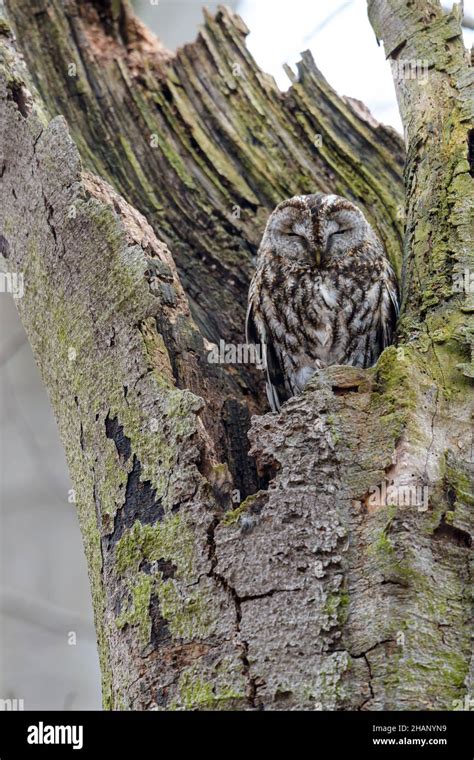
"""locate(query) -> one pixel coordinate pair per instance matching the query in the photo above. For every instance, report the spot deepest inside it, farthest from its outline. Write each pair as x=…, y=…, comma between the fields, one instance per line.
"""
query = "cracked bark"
x=308, y=593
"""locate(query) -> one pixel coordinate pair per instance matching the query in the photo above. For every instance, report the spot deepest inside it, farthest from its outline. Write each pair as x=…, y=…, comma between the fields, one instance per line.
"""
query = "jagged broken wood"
x=310, y=592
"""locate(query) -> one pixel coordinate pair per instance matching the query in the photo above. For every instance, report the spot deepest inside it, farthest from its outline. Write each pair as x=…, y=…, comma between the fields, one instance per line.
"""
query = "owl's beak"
x=317, y=256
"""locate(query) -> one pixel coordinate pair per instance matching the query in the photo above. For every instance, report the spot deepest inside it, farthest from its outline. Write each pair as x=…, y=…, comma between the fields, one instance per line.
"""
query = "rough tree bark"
x=134, y=216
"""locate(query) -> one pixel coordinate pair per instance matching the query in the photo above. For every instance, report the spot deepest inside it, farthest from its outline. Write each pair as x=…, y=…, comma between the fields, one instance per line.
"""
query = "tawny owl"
x=323, y=292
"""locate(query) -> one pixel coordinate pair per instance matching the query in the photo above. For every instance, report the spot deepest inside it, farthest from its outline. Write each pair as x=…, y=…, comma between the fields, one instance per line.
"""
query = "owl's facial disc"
x=344, y=228
x=292, y=235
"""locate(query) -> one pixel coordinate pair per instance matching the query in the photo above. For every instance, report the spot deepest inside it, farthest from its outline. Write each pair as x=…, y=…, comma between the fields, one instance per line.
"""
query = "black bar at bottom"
x=128, y=734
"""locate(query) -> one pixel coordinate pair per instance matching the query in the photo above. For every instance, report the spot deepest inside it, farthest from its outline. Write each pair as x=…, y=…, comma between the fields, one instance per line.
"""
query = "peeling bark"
x=315, y=590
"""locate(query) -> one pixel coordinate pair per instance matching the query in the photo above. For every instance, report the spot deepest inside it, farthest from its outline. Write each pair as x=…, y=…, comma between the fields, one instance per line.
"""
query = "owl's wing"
x=390, y=308
x=256, y=332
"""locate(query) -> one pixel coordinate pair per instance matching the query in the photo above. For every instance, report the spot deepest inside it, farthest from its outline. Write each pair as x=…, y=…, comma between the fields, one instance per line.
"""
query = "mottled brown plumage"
x=323, y=292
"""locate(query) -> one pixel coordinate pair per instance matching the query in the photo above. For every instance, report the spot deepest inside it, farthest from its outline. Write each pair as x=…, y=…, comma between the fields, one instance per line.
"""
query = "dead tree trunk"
x=288, y=577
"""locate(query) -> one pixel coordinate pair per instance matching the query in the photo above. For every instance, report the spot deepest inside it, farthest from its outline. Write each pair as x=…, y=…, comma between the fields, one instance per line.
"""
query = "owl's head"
x=316, y=229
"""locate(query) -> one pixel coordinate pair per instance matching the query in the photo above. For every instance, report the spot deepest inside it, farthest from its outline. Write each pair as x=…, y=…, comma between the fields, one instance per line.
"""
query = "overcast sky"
x=341, y=39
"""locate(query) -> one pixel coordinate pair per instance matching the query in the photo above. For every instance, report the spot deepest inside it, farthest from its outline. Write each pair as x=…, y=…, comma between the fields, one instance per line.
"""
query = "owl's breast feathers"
x=309, y=318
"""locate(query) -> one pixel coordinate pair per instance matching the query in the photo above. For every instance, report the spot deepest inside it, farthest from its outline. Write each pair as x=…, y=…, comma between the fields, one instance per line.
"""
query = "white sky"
x=343, y=45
